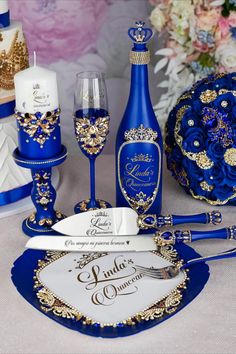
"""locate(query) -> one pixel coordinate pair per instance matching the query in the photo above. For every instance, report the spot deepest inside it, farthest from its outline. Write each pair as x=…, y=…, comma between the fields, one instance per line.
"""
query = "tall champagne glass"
x=91, y=120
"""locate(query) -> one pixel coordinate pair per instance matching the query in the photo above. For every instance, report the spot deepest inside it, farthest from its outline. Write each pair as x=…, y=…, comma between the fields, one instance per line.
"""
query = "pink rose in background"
x=223, y=27
x=59, y=29
x=225, y=23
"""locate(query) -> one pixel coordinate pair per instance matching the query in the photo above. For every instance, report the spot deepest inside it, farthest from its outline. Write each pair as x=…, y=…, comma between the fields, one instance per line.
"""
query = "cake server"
x=136, y=243
x=125, y=221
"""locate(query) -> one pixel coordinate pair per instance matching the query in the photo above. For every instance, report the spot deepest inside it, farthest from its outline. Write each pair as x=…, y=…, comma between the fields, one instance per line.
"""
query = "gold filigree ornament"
x=140, y=200
x=203, y=161
x=206, y=187
x=83, y=206
x=92, y=135
x=13, y=61
x=167, y=306
x=208, y=96
x=141, y=134
x=230, y=156
x=184, y=96
x=49, y=302
x=39, y=126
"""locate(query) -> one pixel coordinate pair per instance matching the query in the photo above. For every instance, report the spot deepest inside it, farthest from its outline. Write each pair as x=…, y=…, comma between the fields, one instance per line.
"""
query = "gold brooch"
x=230, y=156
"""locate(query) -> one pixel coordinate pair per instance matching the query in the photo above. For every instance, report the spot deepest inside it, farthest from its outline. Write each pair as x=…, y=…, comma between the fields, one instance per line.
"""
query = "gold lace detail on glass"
x=92, y=136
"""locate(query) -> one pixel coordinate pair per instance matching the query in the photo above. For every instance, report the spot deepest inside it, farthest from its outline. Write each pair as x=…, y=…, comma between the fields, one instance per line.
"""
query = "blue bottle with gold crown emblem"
x=139, y=145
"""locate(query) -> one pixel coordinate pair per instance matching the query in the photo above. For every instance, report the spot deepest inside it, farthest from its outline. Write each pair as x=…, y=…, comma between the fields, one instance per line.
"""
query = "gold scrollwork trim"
x=49, y=302
x=208, y=96
x=139, y=58
x=212, y=202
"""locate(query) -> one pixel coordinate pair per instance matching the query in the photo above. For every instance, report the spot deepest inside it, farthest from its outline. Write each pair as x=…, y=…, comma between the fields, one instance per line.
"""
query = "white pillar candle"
x=36, y=90
x=3, y=6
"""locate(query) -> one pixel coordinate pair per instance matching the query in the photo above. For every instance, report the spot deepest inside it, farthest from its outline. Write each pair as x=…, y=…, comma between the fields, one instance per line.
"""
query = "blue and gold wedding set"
x=81, y=271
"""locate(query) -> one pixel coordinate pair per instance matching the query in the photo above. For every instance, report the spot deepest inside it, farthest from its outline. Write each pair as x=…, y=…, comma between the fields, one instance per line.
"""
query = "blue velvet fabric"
x=204, y=122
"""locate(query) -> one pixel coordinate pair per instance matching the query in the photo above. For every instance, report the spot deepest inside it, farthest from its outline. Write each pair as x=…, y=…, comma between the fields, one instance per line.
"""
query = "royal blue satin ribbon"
x=5, y=19
x=7, y=109
x=15, y=194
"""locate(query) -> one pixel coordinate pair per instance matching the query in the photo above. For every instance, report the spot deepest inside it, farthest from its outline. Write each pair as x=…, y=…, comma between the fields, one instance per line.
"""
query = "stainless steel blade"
x=100, y=222
x=134, y=243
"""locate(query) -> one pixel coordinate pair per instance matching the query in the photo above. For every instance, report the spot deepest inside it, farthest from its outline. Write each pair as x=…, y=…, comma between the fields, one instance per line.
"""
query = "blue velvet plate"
x=23, y=273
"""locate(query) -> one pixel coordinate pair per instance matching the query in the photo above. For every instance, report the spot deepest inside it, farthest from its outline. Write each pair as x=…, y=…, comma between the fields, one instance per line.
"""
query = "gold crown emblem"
x=139, y=37
x=141, y=133
x=142, y=158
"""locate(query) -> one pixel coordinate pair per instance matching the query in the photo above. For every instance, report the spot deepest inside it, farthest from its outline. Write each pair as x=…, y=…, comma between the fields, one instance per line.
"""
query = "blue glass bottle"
x=139, y=144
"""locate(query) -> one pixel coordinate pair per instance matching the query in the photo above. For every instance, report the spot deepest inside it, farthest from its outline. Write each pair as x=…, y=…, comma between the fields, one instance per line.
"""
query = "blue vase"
x=139, y=145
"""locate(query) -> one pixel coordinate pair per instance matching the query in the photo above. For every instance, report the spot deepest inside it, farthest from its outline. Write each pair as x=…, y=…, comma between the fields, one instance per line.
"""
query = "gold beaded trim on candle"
x=38, y=126
x=139, y=58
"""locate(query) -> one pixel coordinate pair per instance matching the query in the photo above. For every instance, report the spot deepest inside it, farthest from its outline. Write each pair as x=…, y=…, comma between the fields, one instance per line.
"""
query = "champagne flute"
x=91, y=120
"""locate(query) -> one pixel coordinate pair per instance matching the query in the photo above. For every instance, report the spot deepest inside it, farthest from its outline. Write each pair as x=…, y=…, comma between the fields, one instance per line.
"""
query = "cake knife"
x=125, y=221
x=134, y=243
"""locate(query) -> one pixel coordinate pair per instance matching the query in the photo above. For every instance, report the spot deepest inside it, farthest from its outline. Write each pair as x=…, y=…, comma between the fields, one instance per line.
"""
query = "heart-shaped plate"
x=102, y=294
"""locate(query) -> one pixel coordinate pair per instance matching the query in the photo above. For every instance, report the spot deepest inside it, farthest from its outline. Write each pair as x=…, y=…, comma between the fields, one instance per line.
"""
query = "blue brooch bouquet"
x=200, y=142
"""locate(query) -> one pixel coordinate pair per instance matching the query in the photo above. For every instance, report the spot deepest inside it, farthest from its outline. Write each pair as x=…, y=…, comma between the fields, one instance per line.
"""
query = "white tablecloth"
x=207, y=325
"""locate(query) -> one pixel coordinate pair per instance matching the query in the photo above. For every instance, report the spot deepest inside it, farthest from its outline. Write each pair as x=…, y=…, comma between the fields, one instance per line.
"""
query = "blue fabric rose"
x=222, y=193
x=194, y=140
x=225, y=102
x=195, y=173
x=230, y=175
x=215, y=151
x=215, y=175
